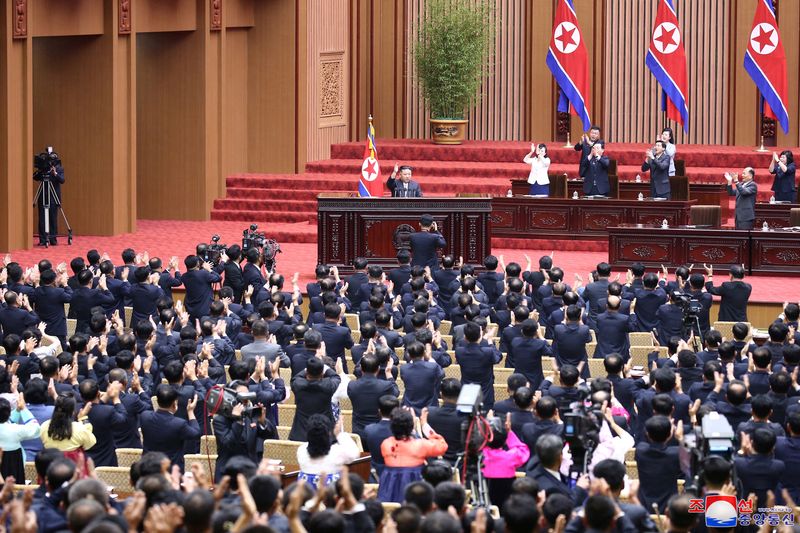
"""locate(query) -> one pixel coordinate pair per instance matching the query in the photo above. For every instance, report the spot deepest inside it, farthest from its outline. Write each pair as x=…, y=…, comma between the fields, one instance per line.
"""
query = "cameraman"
x=49, y=169
x=239, y=434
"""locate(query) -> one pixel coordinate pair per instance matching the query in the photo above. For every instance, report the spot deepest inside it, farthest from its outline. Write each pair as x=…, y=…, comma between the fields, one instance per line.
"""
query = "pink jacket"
x=500, y=463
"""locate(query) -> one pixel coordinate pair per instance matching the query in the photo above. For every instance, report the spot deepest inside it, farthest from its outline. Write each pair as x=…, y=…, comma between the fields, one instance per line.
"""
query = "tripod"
x=46, y=195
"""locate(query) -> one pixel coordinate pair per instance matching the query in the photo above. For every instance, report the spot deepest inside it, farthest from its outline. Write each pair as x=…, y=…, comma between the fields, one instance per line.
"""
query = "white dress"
x=670, y=149
x=539, y=169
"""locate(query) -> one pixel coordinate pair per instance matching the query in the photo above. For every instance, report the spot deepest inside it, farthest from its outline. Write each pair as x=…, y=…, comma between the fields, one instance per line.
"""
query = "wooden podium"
x=376, y=228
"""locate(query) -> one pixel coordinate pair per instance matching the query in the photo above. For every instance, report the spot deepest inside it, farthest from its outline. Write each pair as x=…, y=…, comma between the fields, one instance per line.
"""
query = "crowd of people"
x=209, y=363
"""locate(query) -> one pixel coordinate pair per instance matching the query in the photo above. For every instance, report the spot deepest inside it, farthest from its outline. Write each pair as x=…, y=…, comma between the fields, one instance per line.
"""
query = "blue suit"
x=477, y=366
x=167, y=282
x=422, y=380
x=199, y=293
x=364, y=394
x=336, y=338
x=760, y=473
x=569, y=345
x=16, y=320
x=670, y=323
x=528, y=353
x=647, y=304
x=423, y=248
x=143, y=299
x=135, y=406
x=595, y=181
x=105, y=420
x=377, y=433
x=84, y=299
x=166, y=433
x=659, y=175
x=660, y=465
x=397, y=188
x=787, y=449
x=612, y=333
x=237, y=437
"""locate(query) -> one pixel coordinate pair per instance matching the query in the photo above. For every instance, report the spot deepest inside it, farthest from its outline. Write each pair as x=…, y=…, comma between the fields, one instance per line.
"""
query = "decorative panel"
x=331, y=89
x=645, y=251
x=20, y=19
x=216, y=15
x=717, y=254
x=124, y=17
x=548, y=219
x=595, y=220
x=501, y=112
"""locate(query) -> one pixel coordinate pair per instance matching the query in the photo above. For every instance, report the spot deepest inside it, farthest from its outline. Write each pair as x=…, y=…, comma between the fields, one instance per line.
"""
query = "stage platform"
x=164, y=238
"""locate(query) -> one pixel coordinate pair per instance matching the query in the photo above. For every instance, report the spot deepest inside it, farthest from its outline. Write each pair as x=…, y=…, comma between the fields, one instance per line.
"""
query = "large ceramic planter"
x=444, y=131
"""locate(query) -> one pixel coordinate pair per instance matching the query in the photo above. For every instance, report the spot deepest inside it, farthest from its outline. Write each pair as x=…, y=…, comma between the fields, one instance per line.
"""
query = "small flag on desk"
x=765, y=61
x=666, y=59
x=369, y=183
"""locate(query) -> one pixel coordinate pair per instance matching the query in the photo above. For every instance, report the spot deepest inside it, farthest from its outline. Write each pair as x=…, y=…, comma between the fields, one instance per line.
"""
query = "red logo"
x=745, y=507
x=697, y=505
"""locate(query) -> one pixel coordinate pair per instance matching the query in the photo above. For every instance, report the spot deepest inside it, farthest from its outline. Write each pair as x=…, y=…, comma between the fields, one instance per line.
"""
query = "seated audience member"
x=658, y=462
x=404, y=454
x=318, y=456
x=447, y=420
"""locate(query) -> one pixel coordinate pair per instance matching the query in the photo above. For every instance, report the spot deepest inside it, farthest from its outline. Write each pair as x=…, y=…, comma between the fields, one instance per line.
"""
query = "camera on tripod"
x=221, y=401
x=582, y=430
x=211, y=253
x=252, y=238
x=45, y=161
x=715, y=436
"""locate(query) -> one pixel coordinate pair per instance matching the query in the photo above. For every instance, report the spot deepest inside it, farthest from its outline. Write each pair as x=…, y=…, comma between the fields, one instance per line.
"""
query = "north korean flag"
x=568, y=60
x=666, y=59
x=765, y=61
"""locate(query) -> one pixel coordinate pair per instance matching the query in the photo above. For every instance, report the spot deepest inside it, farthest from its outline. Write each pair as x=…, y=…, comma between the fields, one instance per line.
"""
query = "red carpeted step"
x=275, y=204
x=227, y=213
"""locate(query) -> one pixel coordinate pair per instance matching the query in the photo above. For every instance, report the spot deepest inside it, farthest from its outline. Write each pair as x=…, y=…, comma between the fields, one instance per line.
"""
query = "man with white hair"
x=745, y=192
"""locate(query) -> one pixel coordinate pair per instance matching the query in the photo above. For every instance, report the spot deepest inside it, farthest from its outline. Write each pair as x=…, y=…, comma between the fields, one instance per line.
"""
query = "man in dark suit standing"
x=106, y=416
x=166, y=433
x=404, y=187
x=477, y=362
x=658, y=165
x=336, y=338
x=422, y=378
x=402, y=273
x=585, y=148
x=85, y=298
x=444, y=277
x=528, y=351
x=787, y=449
x=380, y=431
x=17, y=315
x=595, y=182
x=597, y=290
x=547, y=422
x=313, y=389
x=425, y=242
x=166, y=280
x=570, y=340
x=547, y=472
x=625, y=388
x=735, y=294
x=659, y=463
x=356, y=280
x=670, y=320
x=612, y=330
x=49, y=300
x=758, y=470
x=446, y=420
x=233, y=272
x=648, y=300
x=613, y=472
x=198, y=281
x=745, y=193
x=366, y=390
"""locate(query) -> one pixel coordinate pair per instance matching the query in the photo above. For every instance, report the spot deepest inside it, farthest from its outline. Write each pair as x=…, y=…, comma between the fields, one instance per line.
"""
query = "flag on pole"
x=666, y=59
x=369, y=183
x=765, y=61
x=568, y=60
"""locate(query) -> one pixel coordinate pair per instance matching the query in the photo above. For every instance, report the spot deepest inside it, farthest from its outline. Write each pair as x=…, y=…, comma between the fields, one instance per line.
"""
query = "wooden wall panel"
x=238, y=14
x=541, y=103
x=788, y=22
x=501, y=112
x=51, y=18
x=327, y=96
x=742, y=93
x=158, y=15
x=234, y=103
x=632, y=106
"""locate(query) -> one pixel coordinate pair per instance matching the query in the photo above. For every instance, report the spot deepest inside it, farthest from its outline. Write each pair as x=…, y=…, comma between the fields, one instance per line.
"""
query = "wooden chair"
x=448, y=339
x=353, y=321
x=238, y=355
x=286, y=375
x=345, y=403
x=794, y=215
x=639, y=355
x=208, y=445
x=501, y=374
x=705, y=215
x=283, y=432
x=680, y=167
x=641, y=338
x=347, y=419
x=356, y=336
x=679, y=186
x=127, y=456
x=357, y=440
x=128, y=313
x=548, y=363
x=445, y=327
x=118, y=478
x=72, y=325
x=558, y=185
x=630, y=455
x=401, y=352
x=282, y=450
x=388, y=507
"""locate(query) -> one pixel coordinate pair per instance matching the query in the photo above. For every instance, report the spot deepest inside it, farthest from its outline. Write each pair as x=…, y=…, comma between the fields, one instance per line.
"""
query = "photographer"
x=49, y=170
x=425, y=242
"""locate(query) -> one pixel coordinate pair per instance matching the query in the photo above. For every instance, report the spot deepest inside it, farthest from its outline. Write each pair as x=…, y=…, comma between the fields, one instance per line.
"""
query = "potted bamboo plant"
x=452, y=57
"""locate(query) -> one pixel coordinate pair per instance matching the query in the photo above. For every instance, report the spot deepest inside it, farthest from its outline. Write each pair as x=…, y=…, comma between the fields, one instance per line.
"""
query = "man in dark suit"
x=734, y=406
x=107, y=415
x=595, y=182
x=648, y=300
x=446, y=420
x=477, y=362
x=625, y=388
x=570, y=340
x=365, y=392
x=404, y=187
x=664, y=382
x=380, y=431
x=597, y=290
x=17, y=315
x=514, y=382
x=356, y=280
x=613, y=472
x=519, y=315
x=444, y=278
x=585, y=147
x=312, y=341
x=402, y=273
x=422, y=378
x=253, y=276
x=659, y=463
x=136, y=402
x=144, y=295
x=197, y=281
x=670, y=320
x=566, y=391
x=119, y=287
x=239, y=434
x=166, y=433
x=612, y=330
x=761, y=405
x=49, y=300
x=336, y=338
x=701, y=390
x=425, y=242
x=546, y=422
x=492, y=281
x=233, y=272
x=758, y=470
x=757, y=379
x=128, y=261
x=658, y=165
x=313, y=389
x=735, y=294
x=547, y=471
x=745, y=192
x=787, y=449
x=166, y=280
x=85, y=298
x=528, y=351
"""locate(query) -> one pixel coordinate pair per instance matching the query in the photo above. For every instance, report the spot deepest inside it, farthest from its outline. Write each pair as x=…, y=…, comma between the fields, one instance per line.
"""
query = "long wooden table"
x=762, y=252
x=376, y=228
x=775, y=215
x=584, y=218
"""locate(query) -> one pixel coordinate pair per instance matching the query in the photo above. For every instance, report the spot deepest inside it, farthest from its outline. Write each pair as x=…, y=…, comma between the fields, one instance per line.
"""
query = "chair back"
x=705, y=215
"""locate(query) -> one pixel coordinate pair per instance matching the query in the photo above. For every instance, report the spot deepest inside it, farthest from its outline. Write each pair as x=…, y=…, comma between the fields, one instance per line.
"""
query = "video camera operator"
x=49, y=172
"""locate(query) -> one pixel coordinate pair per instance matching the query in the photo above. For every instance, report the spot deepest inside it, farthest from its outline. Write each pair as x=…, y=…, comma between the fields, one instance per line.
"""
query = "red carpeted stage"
x=285, y=205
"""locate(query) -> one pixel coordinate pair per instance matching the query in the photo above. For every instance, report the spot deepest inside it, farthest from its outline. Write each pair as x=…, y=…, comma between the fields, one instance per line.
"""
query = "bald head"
x=613, y=303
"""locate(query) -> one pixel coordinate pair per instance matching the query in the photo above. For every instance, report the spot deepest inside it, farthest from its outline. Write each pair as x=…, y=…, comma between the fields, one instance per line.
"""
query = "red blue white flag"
x=666, y=59
x=568, y=60
x=765, y=61
x=369, y=182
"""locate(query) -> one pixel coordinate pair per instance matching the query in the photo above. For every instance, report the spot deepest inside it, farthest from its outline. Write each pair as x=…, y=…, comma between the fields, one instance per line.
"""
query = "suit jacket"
x=507, y=340
x=551, y=485
x=143, y=298
x=422, y=380
x=299, y=360
x=528, y=353
x=446, y=421
x=787, y=449
x=594, y=292
x=135, y=405
x=364, y=393
x=444, y=278
x=399, y=276
x=760, y=473
x=585, y=148
x=493, y=285
x=234, y=279
x=166, y=433
x=199, y=293
x=670, y=323
x=423, y=248
x=235, y=437
x=612, y=333
x=597, y=176
x=354, y=283
x=84, y=299
x=745, y=194
x=336, y=339
x=736, y=414
x=659, y=175
x=660, y=465
x=531, y=432
x=398, y=190
x=625, y=390
x=477, y=366
x=122, y=294
x=735, y=294
x=312, y=397
x=377, y=433
x=105, y=420
x=569, y=344
x=647, y=305
x=16, y=320
x=504, y=406
x=267, y=350
x=167, y=282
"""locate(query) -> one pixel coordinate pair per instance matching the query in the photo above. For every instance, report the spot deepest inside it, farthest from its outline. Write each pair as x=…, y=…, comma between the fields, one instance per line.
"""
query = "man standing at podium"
x=595, y=182
x=658, y=165
x=745, y=193
x=424, y=243
x=405, y=187
x=585, y=147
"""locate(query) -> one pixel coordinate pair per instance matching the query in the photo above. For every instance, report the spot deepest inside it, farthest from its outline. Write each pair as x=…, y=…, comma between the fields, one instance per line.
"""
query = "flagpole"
x=761, y=148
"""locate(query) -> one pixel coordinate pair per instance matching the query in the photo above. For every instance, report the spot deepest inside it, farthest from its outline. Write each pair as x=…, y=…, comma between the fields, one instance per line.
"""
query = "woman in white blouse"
x=540, y=163
x=668, y=138
x=319, y=455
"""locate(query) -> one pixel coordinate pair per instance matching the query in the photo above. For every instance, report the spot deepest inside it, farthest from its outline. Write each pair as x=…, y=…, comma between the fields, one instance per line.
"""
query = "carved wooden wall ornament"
x=124, y=17
x=20, y=19
x=216, y=15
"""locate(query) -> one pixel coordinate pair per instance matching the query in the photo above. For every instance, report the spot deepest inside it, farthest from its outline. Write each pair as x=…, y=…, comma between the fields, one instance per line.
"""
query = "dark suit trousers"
x=744, y=224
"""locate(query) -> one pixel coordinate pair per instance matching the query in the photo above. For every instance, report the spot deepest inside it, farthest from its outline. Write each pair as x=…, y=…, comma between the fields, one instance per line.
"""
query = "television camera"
x=221, y=401
x=692, y=309
x=252, y=238
x=582, y=432
x=211, y=253
x=715, y=436
x=476, y=433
